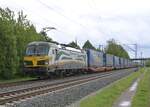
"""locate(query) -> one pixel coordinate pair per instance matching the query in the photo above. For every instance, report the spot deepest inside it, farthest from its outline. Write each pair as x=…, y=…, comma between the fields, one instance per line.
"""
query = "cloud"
x=127, y=21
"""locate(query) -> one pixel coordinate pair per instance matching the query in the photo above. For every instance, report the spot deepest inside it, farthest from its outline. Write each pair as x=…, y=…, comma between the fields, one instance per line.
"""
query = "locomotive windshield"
x=37, y=50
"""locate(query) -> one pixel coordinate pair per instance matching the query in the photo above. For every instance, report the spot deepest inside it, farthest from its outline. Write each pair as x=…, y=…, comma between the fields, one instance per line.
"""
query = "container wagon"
x=116, y=62
x=108, y=60
x=121, y=63
x=95, y=61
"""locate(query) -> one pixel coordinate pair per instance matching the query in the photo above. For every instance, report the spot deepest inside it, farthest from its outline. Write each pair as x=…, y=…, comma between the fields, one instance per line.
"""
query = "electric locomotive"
x=45, y=58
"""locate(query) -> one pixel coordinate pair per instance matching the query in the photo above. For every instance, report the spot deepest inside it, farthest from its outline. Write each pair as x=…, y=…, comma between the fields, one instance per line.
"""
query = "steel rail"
x=30, y=92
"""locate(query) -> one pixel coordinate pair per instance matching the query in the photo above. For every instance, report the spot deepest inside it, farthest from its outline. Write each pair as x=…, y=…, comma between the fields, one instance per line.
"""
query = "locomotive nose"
x=34, y=61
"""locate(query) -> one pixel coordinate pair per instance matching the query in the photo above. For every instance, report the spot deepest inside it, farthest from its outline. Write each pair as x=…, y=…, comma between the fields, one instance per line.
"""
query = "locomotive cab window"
x=37, y=50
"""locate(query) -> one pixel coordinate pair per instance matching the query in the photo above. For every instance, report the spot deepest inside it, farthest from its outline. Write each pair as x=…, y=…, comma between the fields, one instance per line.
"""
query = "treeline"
x=116, y=49
x=147, y=63
x=87, y=45
x=111, y=48
x=15, y=33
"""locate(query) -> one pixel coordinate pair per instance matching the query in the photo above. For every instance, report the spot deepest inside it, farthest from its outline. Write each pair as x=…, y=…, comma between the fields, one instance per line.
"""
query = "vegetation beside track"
x=142, y=97
x=109, y=95
x=16, y=80
x=16, y=31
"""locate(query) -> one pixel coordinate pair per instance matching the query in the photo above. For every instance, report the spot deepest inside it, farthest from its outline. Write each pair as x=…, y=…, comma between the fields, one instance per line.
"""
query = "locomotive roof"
x=41, y=43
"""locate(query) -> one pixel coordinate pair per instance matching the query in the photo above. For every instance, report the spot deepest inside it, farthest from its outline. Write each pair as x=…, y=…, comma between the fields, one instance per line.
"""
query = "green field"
x=142, y=97
x=107, y=96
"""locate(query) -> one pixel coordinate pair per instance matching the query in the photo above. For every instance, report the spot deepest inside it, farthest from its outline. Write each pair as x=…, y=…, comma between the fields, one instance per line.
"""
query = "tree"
x=44, y=34
x=147, y=63
x=74, y=45
x=15, y=34
x=8, y=53
x=88, y=45
x=116, y=49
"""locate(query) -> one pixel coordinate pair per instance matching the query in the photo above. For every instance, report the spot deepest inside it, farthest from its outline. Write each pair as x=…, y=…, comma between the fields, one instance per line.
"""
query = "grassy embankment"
x=107, y=96
x=142, y=97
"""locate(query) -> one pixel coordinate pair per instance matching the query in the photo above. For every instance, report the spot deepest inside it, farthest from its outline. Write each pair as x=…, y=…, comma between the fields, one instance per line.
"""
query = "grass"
x=109, y=95
x=16, y=80
x=142, y=96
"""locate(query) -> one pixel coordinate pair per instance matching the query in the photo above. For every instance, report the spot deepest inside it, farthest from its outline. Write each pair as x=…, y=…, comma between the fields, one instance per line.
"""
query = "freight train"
x=45, y=58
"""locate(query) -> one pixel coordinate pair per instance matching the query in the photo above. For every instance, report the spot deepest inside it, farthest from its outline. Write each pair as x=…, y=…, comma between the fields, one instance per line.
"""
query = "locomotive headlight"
x=46, y=63
x=24, y=63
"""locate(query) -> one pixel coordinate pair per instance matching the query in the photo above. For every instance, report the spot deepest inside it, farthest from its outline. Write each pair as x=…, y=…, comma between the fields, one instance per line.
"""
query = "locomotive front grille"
x=28, y=62
x=41, y=62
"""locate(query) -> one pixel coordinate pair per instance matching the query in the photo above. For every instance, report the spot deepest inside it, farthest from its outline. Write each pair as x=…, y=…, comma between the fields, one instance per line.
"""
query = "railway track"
x=28, y=82
x=34, y=81
x=8, y=97
x=5, y=85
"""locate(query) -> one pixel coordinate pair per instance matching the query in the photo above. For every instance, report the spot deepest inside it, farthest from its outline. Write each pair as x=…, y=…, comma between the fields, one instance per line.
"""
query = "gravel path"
x=126, y=97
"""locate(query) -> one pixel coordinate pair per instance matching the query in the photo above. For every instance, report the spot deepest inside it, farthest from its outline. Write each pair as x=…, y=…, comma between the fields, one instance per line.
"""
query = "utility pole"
x=132, y=49
x=101, y=47
x=135, y=50
x=142, y=61
x=76, y=40
x=141, y=55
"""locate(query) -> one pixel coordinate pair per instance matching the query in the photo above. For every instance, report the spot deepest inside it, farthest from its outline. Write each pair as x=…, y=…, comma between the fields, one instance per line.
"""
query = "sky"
x=126, y=21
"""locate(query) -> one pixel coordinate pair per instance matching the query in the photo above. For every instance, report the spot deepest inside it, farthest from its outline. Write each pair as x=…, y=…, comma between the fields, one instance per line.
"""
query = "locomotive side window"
x=53, y=52
x=56, y=51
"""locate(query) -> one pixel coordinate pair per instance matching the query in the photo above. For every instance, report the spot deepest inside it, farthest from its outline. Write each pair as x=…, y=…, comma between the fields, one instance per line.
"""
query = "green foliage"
x=74, y=45
x=116, y=49
x=142, y=96
x=88, y=45
x=110, y=94
x=44, y=34
x=15, y=35
x=147, y=63
x=19, y=79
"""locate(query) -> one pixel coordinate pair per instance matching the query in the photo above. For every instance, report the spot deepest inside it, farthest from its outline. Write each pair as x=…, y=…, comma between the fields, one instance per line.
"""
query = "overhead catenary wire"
x=109, y=33
x=61, y=14
x=59, y=28
x=93, y=6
